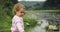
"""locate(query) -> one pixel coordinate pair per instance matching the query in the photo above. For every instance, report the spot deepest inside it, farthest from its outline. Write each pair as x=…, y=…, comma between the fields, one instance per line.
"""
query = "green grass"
x=31, y=21
x=43, y=11
x=5, y=23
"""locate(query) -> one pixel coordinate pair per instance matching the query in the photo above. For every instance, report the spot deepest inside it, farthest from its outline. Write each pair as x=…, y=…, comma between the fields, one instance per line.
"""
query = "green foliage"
x=5, y=25
x=5, y=12
x=43, y=11
x=47, y=27
x=32, y=5
x=6, y=6
x=31, y=23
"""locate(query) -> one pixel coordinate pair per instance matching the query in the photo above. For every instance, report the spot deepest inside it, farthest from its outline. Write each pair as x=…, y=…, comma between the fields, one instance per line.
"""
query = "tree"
x=7, y=6
x=52, y=4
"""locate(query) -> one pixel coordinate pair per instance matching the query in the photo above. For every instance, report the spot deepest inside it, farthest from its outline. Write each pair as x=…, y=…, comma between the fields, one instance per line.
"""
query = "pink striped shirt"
x=17, y=24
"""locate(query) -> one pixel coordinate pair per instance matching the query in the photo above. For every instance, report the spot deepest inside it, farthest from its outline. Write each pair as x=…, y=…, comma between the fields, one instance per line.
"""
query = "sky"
x=31, y=0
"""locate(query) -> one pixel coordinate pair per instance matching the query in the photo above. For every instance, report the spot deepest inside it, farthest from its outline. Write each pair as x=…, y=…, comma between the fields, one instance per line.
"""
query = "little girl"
x=17, y=21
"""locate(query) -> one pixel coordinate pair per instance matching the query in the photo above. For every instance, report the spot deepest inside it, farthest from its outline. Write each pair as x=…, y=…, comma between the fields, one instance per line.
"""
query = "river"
x=46, y=18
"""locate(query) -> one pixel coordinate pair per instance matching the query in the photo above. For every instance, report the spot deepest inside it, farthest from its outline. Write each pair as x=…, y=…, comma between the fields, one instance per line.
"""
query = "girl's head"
x=18, y=9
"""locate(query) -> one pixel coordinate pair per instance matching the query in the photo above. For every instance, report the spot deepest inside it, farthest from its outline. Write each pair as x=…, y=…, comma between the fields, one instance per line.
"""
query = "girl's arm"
x=19, y=26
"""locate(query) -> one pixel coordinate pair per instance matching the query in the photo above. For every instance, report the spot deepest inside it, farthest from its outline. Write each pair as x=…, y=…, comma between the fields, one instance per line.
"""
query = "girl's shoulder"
x=17, y=18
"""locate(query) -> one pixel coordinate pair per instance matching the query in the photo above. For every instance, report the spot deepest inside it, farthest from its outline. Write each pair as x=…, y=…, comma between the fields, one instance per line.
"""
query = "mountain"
x=29, y=4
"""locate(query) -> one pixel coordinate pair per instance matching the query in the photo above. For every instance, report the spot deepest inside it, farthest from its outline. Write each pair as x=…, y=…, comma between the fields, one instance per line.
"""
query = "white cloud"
x=19, y=0
x=35, y=0
x=31, y=0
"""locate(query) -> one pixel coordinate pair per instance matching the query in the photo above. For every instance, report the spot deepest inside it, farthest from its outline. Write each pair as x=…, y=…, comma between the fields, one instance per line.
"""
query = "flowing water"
x=46, y=18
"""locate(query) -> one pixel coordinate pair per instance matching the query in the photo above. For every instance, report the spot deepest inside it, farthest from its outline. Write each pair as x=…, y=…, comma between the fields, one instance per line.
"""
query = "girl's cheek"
x=22, y=14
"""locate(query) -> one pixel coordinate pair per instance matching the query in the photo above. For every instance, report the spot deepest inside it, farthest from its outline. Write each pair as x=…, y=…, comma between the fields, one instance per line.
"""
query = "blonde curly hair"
x=17, y=7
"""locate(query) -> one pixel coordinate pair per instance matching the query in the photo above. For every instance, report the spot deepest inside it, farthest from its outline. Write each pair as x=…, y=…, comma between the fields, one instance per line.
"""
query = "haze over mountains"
x=29, y=4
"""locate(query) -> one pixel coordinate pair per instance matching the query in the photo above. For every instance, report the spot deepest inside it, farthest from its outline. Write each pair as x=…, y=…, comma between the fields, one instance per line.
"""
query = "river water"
x=46, y=18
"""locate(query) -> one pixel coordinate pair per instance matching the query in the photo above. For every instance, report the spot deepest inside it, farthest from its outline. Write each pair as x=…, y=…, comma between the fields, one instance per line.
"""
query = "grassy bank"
x=43, y=11
x=5, y=21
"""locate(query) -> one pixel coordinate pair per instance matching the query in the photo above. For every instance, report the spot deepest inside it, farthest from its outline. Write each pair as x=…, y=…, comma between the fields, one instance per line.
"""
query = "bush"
x=29, y=23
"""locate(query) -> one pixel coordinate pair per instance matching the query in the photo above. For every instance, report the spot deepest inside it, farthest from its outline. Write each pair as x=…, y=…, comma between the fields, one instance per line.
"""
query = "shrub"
x=29, y=23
